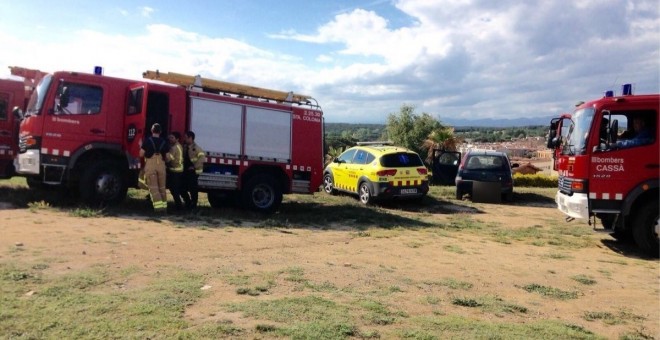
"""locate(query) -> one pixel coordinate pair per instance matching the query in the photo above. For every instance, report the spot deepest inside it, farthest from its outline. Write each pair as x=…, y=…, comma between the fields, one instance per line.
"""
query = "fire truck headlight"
x=30, y=141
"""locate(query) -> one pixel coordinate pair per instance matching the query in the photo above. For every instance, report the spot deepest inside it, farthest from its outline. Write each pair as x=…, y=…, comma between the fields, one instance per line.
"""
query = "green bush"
x=538, y=180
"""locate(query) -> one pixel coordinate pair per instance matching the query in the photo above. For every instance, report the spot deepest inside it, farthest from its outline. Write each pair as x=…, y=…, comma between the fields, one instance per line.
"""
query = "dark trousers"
x=190, y=179
x=175, y=184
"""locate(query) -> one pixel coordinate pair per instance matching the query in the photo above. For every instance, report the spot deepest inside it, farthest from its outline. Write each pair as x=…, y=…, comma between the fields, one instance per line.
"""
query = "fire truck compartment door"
x=217, y=125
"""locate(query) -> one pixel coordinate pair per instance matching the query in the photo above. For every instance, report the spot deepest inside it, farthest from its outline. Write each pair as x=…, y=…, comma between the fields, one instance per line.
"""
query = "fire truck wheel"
x=329, y=184
x=365, y=193
x=262, y=193
x=646, y=228
x=102, y=183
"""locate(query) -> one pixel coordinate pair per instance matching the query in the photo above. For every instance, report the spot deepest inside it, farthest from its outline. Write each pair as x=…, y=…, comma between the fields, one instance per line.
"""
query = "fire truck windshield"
x=578, y=132
x=38, y=96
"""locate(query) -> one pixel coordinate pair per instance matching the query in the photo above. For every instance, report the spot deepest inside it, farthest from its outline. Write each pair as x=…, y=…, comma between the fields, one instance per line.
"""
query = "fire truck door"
x=145, y=107
x=135, y=120
x=76, y=118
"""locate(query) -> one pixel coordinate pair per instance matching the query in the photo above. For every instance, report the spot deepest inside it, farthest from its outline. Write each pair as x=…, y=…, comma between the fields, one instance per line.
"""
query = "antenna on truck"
x=226, y=87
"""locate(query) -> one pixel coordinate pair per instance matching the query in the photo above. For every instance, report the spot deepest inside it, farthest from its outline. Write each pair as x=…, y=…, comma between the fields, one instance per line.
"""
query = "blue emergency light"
x=609, y=94
x=98, y=70
x=626, y=90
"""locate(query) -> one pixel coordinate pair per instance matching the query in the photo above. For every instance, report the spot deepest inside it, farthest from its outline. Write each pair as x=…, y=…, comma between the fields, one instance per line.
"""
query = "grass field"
x=266, y=288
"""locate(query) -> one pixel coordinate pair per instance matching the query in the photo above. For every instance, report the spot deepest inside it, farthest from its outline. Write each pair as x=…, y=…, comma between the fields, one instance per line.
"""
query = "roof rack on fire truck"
x=227, y=87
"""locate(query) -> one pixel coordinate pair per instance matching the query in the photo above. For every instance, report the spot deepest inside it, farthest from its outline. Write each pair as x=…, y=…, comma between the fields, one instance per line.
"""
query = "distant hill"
x=487, y=122
x=491, y=122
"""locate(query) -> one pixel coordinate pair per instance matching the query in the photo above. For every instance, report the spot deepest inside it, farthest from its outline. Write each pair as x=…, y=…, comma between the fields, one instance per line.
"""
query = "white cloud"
x=146, y=11
x=455, y=58
x=323, y=58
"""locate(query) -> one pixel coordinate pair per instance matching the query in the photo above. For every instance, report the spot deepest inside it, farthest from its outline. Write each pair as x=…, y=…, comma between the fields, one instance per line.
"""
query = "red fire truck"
x=609, y=166
x=83, y=131
x=13, y=99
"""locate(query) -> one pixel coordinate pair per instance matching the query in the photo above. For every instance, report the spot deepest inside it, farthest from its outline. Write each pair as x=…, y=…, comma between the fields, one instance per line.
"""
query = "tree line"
x=418, y=132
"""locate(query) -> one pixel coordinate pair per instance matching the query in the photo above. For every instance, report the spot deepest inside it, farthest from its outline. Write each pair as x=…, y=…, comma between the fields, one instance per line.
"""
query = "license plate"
x=408, y=191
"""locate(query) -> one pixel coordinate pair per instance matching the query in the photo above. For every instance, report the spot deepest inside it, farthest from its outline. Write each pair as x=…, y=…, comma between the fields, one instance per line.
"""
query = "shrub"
x=538, y=180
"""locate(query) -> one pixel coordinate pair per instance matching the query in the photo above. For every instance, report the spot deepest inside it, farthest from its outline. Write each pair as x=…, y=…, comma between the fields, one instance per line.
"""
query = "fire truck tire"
x=329, y=184
x=103, y=183
x=365, y=193
x=262, y=193
x=645, y=229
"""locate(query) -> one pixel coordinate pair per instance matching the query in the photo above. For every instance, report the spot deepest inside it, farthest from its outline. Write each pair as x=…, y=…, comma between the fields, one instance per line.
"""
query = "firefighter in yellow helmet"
x=154, y=150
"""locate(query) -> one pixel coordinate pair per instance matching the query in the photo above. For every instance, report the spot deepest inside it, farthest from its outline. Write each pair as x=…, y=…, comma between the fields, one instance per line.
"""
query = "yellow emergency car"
x=377, y=171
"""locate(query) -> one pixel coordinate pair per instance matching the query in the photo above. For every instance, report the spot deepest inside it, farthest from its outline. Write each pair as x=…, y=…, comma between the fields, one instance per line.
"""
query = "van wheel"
x=365, y=193
x=262, y=193
x=329, y=184
x=459, y=194
x=103, y=184
x=647, y=228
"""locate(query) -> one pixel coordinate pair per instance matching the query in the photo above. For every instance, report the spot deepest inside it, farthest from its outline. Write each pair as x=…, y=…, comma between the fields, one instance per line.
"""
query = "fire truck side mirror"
x=614, y=130
x=553, y=141
x=64, y=97
x=18, y=113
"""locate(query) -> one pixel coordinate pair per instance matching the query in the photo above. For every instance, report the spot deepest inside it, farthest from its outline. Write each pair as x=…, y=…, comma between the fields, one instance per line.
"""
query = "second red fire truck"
x=609, y=165
x=83, y=131
x=13, y=99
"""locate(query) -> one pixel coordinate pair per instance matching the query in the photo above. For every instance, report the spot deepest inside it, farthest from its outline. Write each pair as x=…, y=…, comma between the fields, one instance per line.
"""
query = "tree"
x=410, y=130
x=443, y=139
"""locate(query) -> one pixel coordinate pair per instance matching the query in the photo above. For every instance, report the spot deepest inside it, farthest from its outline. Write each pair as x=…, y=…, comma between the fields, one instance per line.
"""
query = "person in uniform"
x=153, y=149
x=175, y=169
x=193, y=161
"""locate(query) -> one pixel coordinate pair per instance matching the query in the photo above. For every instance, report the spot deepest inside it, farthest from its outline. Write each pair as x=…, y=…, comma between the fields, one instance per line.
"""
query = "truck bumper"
x=27, y=163
x=575, y=206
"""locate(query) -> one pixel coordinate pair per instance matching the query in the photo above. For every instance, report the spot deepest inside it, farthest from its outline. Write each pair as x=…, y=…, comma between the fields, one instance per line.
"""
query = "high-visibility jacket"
x=175, y=158
x=197, y=157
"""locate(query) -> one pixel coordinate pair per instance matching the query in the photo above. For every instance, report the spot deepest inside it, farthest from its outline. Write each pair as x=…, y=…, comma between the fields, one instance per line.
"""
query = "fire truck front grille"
x=22, y=145
x=565, y=185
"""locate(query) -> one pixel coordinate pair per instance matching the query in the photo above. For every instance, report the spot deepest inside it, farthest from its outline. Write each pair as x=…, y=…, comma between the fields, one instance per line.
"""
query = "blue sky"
x=361, y=60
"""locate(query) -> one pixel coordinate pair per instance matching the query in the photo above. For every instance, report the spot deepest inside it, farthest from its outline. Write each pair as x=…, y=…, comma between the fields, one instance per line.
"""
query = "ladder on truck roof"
x=31, y=76
x=227, y=87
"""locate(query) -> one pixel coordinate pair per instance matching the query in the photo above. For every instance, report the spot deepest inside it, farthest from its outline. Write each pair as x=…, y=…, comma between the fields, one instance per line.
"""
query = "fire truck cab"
x=609, y=166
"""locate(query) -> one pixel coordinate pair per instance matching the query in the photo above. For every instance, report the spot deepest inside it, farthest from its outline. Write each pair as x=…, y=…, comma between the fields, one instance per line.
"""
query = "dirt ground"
x=376, y=259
